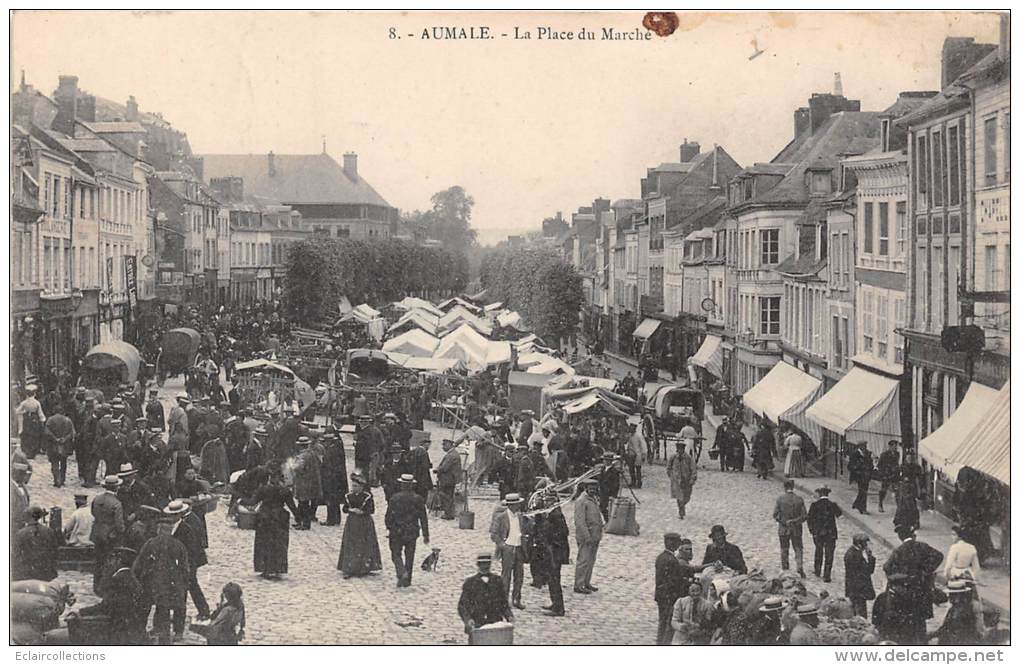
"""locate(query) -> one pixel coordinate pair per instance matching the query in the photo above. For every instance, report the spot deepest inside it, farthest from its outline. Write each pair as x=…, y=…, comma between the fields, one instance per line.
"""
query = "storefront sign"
x=131, y=279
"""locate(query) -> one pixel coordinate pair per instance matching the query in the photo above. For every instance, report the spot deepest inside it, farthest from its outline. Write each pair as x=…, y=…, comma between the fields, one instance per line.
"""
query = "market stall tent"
x=410, y=303
x=414, y=342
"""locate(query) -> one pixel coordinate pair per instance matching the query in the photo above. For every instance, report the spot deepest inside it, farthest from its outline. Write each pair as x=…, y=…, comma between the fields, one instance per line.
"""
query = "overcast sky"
x=528, y=127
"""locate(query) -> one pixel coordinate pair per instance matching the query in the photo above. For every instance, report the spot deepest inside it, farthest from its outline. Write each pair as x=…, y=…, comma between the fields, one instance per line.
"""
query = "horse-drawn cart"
x=668, y=408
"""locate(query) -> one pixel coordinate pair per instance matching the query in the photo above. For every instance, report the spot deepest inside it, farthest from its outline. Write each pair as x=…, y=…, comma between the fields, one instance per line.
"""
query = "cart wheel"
x=648, y=429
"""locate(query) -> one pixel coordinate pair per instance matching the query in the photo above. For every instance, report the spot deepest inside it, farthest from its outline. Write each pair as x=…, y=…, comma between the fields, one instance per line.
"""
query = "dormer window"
x=748, y=189
x=848, y=179
x=820, y=182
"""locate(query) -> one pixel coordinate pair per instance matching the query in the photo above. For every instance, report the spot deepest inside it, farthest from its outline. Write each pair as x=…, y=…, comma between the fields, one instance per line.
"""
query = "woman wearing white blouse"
x=961, y=559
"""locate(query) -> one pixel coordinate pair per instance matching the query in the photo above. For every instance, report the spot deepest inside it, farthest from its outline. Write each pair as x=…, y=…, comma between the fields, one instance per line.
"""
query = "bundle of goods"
x=840, y=632
x=36, y=607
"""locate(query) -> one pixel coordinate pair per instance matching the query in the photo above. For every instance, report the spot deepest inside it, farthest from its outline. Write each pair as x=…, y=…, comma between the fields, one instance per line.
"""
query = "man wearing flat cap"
x=406, y=519
x=108, y=526
x=483, y=598
x=668, y=585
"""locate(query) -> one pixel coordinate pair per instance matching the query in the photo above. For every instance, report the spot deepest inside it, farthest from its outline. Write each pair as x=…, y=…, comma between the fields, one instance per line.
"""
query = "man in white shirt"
x=962, y=559
x=78, y=528
x=507, y=531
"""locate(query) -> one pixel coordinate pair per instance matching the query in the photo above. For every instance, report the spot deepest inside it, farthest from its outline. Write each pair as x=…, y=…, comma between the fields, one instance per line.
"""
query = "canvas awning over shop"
x=942, y=448
x=709, y=356
x=647, y=328
x=863, y=406
x=785, y=393
x=986, y=449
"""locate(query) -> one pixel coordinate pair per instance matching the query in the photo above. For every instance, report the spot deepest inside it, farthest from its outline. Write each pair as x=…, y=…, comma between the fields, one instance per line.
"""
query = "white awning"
x=863, y=406
x=785, y=393
x=647, y=328
x=986, y=449
x=940, y=448
x=709, y=356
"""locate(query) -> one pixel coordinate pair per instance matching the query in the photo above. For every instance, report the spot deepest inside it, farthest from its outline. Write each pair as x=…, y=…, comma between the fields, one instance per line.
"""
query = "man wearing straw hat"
x=406, y=519
x=483, y=598
x=109, y=523
x=507, y=531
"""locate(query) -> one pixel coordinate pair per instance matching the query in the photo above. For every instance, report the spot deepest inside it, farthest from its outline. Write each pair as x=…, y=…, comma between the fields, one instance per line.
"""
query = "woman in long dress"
x=794, y=466
x=359, y=548
x=272, y=526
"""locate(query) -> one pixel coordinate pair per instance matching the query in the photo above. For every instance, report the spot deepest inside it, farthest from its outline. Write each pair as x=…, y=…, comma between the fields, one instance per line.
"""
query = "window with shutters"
x=869, y=228
x=882, y=326
x=868, y=320
x=991, y=150
x=901, y=229
x=883, y=229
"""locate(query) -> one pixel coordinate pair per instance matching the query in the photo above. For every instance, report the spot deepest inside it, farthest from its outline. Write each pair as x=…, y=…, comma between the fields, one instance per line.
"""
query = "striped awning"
x=709, y=356
x=986, y=448
x=939, y=447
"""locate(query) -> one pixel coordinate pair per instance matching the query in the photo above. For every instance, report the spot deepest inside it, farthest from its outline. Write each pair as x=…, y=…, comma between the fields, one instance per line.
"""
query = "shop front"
x=26, y=333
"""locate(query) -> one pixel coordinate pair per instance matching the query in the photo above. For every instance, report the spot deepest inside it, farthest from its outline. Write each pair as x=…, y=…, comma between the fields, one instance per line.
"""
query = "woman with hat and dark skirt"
x=272, y=525
x=359, y=548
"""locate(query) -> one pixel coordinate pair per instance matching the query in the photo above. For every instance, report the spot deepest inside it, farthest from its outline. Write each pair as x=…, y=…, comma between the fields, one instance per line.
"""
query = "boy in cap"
x=482, y=598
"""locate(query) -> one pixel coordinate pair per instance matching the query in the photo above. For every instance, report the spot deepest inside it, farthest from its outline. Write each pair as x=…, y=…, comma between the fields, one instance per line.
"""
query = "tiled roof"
x=845, y=133
x=84, y=145
x=707, y=215
x=296, y=178
x=115, y=127
x=803, y=266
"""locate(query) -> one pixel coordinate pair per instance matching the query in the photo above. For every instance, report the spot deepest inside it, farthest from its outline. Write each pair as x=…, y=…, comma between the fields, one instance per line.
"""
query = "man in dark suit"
x=915, y=564
x=133, y=493
x=334, y=477
x=406, y=519
x=550, y=550
x=860, y=468
x=789, y=515
x=483, y=599
x=524, y=473
x=34, y=549
x=448, y=474
x=821, y=522
x=859, y=564
x=668, y=582
x=108, y=526
x=187, y=529
x=58, y=441
x=507, y=530
x=888, y=472
x=287, y=436
x=154, y=414
x=725, y=553
x=163, y=568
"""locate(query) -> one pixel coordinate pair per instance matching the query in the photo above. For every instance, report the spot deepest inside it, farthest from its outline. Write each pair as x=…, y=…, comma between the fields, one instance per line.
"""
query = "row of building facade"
x=116, y=220
x=846, y=260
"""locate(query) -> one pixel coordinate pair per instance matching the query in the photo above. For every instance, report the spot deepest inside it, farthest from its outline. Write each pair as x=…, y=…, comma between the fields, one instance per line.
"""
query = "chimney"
x=66, y=98
x=959, y=54
x=87, y=108
x=272, y=163
x=823, y=105
x=801, y=121
x=132, y=109
x=715, y=167
x=351, y=165
x=689, y=151
x=837, y=85
x=1003, y=37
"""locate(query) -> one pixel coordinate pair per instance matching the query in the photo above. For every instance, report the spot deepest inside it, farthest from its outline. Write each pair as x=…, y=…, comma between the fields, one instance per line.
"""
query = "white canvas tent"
x=415, y=342
x=420, y=319
x=476, y=352
x=410, y=303
x=438, y=365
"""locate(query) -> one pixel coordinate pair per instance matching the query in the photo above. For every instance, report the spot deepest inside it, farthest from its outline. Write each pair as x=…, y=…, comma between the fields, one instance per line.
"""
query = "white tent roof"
x=493, y=307
x=423, y=364
x=510, y=320
x=410, y=303
x=368, y=311
x=420, y=319
x=262, y=364
x=458, y=301
x=468, y=345
x=552, y=365
x=415, y=342
x=459, y=314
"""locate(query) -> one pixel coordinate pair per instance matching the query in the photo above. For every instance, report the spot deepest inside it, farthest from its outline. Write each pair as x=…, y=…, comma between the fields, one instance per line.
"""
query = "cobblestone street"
x=373, y=611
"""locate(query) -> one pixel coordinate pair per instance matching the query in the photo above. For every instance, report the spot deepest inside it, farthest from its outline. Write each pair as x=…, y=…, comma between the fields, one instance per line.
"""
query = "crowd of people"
x=162, y=471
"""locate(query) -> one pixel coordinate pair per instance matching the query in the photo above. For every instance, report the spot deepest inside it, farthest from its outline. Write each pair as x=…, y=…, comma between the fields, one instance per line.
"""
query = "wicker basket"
x=245, y=518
